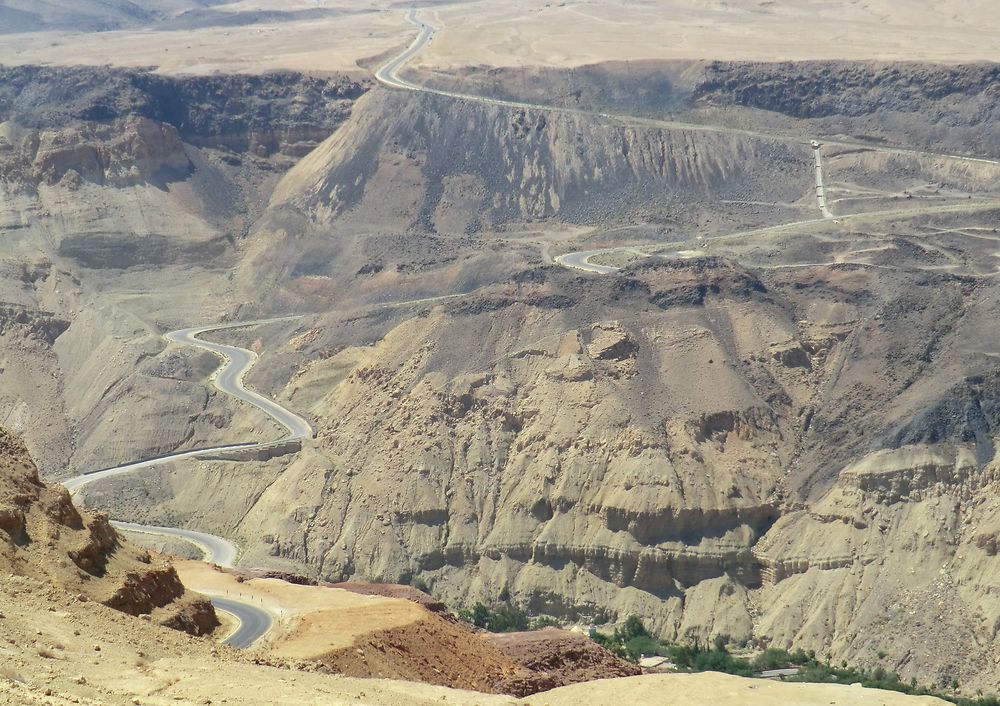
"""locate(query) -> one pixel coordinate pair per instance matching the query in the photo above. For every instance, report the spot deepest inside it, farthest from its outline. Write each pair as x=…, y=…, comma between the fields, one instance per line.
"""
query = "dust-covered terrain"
x=250, y=36
x=700, y=337
x=90, y=618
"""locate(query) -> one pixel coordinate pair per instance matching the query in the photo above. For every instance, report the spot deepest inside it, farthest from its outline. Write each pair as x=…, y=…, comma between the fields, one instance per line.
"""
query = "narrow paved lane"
x=254, y=622
x=389, y=72
x=236, y=362
x=229, y=378
x=580, y=260
x=820, y=187
x=215, y=550
x=74, y=484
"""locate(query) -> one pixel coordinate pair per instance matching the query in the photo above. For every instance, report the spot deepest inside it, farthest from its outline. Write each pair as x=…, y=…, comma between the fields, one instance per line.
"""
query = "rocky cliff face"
x=283, y=111
x=123, y=180
x=417, y=195
x=902, y=544
x=680, y=442
x=514, y=441
x=943, y=108
x=124, y=152
x=564, y=461
x=939, y=107
x=43, y=536
x=523, y=164
x=722, y=445
x=853, y=89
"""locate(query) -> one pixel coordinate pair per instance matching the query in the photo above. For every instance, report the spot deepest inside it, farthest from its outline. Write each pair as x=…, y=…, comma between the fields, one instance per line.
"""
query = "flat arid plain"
x=338, y=35
x=481, y=352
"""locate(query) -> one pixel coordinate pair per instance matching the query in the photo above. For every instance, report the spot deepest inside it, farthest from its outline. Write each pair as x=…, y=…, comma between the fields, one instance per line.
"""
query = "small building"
x=778, y=673
x=656, y=663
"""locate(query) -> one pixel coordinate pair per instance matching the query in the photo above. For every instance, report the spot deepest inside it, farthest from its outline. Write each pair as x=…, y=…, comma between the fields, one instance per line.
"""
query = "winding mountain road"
x=388, y=75
x=253, y=622
x=229, y=379
x=580, y=260
x=389, y=72
x=214, y=550
x=820, y=186
x=238, y=361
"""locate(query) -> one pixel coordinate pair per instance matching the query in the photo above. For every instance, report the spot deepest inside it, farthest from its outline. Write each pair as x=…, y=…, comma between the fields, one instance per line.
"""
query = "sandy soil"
x=58, y=651
x=309, y=620
x=332, y=44
x=712, y=689
x=368, y=635
x=520, y=33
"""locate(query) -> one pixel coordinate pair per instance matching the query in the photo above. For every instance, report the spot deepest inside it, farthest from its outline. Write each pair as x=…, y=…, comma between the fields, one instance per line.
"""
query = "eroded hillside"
x=46, y=539
x=769, y=412
x=555, y=441
x=124, y=198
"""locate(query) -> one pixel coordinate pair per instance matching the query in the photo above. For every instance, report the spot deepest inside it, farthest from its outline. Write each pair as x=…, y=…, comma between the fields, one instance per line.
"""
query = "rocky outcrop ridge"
x=903, y=543
x=542, y=468
x=123, y=152
x=42, y=326
x=45, y=537
x=531, y=164
x=869, y=99
x=282, y=111
x=818, y=89
x=565, y=657
x=867, y=494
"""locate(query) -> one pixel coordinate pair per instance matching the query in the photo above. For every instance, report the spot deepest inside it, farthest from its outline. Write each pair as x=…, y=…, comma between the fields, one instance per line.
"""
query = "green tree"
x=633, y=628
x=544, y=621
x=504, y=618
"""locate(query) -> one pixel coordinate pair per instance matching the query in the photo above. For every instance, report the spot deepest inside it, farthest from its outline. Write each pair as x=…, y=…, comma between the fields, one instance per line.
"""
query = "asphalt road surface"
x=388, y=74
x=229, y=378
x=581, y=261
x=215, y=550
x=254, y=622
x=77, y=482
x=820, y=188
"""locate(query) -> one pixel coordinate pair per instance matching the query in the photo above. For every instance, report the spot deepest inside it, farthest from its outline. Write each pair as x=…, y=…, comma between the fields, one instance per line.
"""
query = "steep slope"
x=46, y=539
x=124, y=198
x=418, y=194
x=904, y=543
x=536, y=439
x=668, y=442
x=940, y=107
x=62, y=646
x=531, y=164
x=792, y=442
